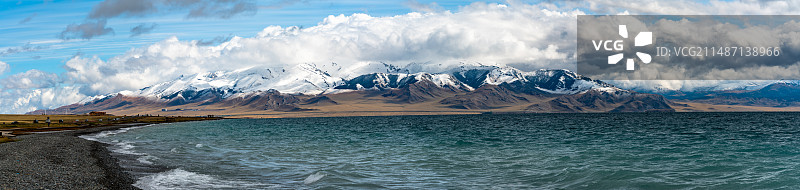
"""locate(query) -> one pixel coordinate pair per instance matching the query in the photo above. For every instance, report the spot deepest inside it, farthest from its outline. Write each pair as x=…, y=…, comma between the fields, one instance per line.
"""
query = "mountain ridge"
x=464, y=88
x=779, y=94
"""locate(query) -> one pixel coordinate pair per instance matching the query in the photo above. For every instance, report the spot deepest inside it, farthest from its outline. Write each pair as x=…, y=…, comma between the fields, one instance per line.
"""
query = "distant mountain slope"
x=486, y=97
x=320, y=100
x=604, y=101
x=774, y=95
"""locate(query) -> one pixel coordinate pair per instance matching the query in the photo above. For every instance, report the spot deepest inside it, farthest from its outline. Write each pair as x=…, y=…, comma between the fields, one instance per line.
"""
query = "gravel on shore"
x=61, y=160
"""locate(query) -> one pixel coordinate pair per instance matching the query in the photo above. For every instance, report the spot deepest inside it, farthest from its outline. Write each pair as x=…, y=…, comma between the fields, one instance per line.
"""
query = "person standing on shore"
x=48, y=121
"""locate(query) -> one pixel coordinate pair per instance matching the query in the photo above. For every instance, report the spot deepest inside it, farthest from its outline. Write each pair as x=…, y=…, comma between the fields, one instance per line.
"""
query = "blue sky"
x=36, y=25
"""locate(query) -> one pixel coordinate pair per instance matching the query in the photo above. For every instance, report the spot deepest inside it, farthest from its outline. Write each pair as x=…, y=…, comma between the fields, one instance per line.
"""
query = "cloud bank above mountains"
x=516, y=34
x=487, y=33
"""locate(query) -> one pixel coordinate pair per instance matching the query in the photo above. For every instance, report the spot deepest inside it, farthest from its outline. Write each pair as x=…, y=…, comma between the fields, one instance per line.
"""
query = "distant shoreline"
x=433, y=113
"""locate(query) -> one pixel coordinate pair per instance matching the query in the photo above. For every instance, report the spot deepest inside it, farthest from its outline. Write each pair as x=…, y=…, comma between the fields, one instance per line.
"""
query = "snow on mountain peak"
x=303, y=78
x=500, y=75
x=442, y=80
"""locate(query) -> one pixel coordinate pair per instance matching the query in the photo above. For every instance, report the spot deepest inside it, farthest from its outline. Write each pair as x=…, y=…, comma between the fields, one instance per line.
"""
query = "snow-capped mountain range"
x=368, y=87
x=319, y=86
x=311, y=79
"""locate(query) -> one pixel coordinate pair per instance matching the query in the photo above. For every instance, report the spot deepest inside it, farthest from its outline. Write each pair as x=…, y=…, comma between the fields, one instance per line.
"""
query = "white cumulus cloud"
x=26, y=100
x=3, y=67
x=30, y=79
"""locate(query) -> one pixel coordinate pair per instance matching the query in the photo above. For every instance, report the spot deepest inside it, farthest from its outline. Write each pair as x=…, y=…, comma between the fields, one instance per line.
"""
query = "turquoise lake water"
x=514, y=151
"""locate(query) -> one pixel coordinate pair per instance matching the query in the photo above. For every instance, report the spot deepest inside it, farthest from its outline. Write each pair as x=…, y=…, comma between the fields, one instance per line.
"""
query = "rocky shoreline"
x=62, y=160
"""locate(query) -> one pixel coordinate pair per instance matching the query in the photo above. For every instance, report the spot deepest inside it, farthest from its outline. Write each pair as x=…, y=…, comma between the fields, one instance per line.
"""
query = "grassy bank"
x=25, y=124
x=6, y=139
